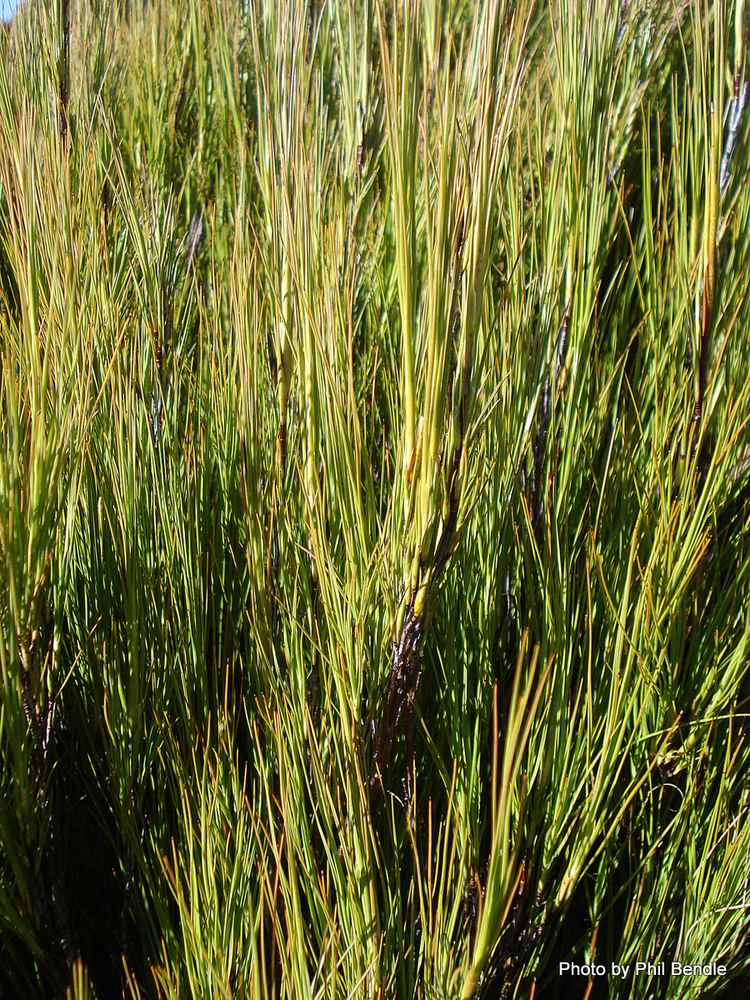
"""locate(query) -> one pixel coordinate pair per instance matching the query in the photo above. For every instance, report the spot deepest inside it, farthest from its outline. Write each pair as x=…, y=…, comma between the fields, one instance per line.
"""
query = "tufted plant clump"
x=374, y=499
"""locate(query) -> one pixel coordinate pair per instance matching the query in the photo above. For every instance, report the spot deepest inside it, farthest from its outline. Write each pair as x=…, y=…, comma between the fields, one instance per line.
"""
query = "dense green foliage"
x=374, y=497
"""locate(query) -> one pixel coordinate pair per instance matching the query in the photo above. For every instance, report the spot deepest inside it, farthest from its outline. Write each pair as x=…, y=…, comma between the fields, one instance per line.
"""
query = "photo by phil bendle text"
x=641, y=968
